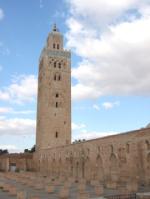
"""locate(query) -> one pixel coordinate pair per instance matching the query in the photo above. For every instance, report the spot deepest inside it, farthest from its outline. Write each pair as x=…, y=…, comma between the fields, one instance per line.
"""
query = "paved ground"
x=31, y=191
x=41, y=193
x=5, y=195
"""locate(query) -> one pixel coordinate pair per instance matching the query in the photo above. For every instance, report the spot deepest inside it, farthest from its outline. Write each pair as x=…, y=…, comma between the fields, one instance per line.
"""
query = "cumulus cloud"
x=87, y=135
x=22, y=89
x=24, y=112
x=80, y=132
x=102, y=12
x=110, y=105
x=10, y=110
x=1, y=14
x=5, y=110
x=81, y=91
x=115, y=60
x=96, y=107
x=17, y=126
x=4, y=95
x=77, y=126
x=11, y=148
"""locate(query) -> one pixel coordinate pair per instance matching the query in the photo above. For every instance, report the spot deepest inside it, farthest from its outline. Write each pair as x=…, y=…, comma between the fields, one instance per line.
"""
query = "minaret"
x=54, y=94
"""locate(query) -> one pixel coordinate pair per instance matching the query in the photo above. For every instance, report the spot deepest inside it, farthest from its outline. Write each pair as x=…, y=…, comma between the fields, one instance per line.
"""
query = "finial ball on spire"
x=55, y=29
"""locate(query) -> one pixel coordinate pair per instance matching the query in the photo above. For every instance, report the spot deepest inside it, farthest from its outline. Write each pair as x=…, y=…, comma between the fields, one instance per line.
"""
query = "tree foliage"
x=79, y=141
x=32, y=150
x=3, y=151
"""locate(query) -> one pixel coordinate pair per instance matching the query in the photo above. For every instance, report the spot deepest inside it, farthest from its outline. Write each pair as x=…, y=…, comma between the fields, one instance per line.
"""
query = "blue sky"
x=110, y=44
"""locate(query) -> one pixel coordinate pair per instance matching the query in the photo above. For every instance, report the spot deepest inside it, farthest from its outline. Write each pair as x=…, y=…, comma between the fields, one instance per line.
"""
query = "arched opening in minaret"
x=56, y=104
x=56, y=134
x=59, y=77
x=59, y=65
x=57, y=46
x=57, y=95
x=54, y=45
x=54, y=64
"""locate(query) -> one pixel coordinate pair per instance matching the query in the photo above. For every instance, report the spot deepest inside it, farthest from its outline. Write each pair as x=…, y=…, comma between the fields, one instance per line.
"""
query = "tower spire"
x=55, y=29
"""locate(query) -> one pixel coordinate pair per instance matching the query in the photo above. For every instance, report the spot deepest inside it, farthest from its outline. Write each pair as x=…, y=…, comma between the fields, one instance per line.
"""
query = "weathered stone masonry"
x=54, y=94
x=118, y=158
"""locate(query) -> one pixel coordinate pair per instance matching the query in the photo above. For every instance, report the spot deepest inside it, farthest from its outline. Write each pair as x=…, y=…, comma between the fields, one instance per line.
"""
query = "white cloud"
x=17, y=126
x=77, y=126
x=1, y=14
x=110, y=105
x=115, y=60
x=80, y=132
x=4, y=95
x=24, y=112
x=81, y=91
x=101, y=12
x=5, y=110
x=11, y=148
x=87, y=135
x=10, y=110
x=23, y=89
x=96, y=107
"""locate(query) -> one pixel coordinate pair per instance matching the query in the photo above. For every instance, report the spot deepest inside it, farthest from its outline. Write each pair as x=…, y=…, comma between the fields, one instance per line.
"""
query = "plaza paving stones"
x=36, y=186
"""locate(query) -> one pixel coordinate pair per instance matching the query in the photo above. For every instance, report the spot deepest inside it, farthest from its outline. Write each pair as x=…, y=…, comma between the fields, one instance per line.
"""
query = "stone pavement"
x=45, y=188
x=36, y=186
x=4, y=195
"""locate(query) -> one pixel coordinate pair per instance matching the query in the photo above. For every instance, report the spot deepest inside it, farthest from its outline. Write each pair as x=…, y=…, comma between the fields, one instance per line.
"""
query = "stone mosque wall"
x=114, y=159
x=16, y=162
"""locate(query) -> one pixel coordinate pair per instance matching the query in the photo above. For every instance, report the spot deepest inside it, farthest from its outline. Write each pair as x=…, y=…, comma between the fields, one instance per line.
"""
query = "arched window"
x=57, y=95
x=56, y=134
x=57, y=77
x=59, y=65
x=57, y=46
x=53, y=45
x=56, y=104
x=54, y=64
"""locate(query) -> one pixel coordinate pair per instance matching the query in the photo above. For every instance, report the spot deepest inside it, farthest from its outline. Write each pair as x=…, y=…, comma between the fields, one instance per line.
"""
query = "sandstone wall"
x=119, y=158
x=22, y=162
